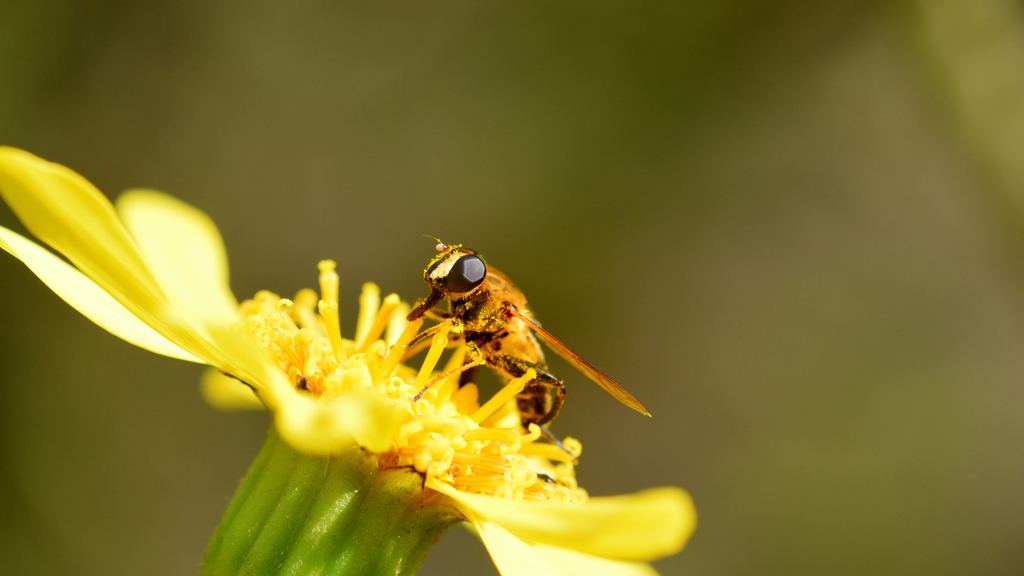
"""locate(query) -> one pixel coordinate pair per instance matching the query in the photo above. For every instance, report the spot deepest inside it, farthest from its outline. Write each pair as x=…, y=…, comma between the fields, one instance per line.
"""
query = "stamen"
x=493, y=464
x=396, y=324
x=549, y=451
x=303, y=307
x=445, y=390
x=391, y=302
x=536, y=496
x=554, y=440
x=548, y=492
x=532, y=435
x=284, y=306
x=369, y=302
x=328, y=280
x=504, y=395
x=466, y=398
x=422, y=339
x=573, y=446
x=398, y=350
x=492, y=434
x=436, y=348
x=329, y=309
x=373, y=366
x=415, y=349
x=480, y=481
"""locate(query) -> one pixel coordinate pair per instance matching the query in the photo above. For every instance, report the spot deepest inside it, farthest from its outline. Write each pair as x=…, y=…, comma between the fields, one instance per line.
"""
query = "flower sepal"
x=336, y=515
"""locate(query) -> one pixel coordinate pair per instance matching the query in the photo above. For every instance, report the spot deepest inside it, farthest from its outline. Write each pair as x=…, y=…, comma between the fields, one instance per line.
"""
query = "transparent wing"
x=583, y=366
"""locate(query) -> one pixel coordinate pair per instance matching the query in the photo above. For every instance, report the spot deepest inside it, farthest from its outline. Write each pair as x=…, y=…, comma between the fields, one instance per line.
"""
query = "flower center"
x=444, y=433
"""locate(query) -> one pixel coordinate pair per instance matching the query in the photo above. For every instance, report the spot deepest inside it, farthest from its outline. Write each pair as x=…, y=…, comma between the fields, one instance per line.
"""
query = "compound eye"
x=467, y=273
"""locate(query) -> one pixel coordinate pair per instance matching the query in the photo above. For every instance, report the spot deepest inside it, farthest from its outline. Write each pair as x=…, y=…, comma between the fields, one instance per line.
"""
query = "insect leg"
x=542, y=397
x=425, y=304
x=439, y=315
x=460, y=370
x=545, y=478
x=468, y=376
x=554, y=440
x=422, y=340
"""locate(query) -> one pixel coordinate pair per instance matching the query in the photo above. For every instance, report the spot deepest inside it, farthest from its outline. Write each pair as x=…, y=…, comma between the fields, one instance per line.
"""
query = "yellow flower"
x=153, y=272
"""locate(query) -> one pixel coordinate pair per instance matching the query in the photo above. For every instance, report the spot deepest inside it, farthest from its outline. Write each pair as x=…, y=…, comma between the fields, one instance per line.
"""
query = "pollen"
x=445, y=433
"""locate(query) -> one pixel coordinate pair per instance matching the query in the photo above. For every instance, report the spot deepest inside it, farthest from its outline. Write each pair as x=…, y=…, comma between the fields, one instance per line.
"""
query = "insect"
x=499, y=330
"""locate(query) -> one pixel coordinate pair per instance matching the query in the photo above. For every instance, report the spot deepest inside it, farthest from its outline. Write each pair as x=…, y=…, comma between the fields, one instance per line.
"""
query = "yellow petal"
x=184, y=250
x=396, y=324
x=71, y=215
x=243, y=357
x=642, y=526
x=226, y=393
x=67, y=212
x=86, y=297
x=513, y=557
x=328, y=427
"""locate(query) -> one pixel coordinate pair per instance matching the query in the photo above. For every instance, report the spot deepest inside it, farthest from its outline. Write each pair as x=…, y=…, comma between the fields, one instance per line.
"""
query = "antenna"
x=441, y=246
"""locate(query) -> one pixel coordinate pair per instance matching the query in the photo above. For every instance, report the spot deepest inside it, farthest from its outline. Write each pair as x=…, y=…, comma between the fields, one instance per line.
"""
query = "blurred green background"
x=794, y=230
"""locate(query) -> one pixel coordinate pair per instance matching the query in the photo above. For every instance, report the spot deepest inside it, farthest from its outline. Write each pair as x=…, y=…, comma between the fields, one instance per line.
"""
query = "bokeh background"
x=793, y=229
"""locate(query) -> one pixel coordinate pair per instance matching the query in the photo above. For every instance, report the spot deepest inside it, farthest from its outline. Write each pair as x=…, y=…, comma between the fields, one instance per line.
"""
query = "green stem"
x=299, y=514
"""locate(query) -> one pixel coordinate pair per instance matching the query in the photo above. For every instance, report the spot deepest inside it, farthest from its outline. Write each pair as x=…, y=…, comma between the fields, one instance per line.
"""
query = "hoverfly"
x=498, y=328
